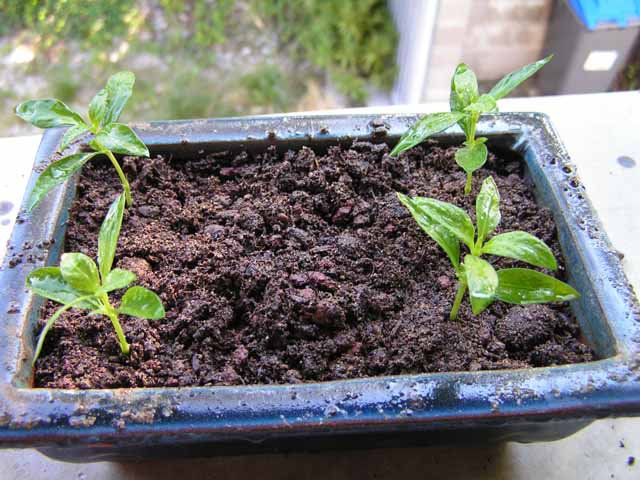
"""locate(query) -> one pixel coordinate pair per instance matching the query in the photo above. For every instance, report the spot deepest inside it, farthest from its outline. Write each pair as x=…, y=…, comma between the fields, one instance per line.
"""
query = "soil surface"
x=296, y=268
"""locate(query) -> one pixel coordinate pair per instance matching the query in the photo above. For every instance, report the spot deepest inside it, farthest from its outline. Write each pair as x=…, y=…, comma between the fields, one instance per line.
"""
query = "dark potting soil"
x=297, y=268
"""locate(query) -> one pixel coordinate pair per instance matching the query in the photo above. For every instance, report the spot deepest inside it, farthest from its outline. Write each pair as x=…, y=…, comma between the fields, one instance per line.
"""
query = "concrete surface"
x=601, y=134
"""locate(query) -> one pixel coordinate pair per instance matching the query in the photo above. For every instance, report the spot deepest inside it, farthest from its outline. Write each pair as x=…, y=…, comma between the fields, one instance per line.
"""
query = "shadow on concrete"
x=489, y=462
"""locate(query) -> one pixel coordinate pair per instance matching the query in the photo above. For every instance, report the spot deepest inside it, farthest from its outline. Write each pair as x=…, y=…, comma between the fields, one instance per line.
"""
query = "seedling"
x=466, y=106
x=449, y=225
x=79, y=283
x=109, y=136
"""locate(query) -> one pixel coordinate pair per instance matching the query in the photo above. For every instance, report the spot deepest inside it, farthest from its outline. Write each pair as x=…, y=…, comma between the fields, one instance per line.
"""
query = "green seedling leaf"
x=108, y=103
x=482, y=281
x=453, y=218
x=119, y=138
x=485, y=104
x=425, y=127
x=487, y=209
x=471, y=158
x=142, y=303
x=521, y=246
x=43, y=334
x=445, y=239
x=464, y=88
x=464, y=91
x=70, y=135
x=108, y=236
x=513, y=79
x=48, y=113
x=49, y=283
x=80, y=271
x=523, y=286
x=55, y=174
x=98, y=108
x=110, y=137
x=117, y=279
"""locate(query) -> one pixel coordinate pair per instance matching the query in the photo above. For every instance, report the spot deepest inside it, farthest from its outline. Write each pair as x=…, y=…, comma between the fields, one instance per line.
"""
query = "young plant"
x=466, y=106
x=109, y=136
x=449, y=225
x=79, y=283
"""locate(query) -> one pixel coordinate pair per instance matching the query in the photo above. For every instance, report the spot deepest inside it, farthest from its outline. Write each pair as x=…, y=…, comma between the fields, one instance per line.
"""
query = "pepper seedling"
x=109, y=136
x=449, y=225
x=79, y=283
x=466, y=106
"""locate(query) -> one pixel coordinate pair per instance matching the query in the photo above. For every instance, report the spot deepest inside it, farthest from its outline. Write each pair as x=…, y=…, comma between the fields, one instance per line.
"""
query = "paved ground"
x=600, y=132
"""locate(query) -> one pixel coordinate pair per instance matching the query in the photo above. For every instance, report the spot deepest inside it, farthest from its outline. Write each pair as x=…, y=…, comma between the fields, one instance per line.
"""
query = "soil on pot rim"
x=296, y=268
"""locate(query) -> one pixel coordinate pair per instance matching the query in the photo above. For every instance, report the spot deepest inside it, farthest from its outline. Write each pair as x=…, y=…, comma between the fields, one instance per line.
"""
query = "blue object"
x=524, y=405
x=595, y=13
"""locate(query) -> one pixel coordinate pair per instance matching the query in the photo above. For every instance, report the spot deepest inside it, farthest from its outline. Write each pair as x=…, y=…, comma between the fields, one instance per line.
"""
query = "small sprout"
x=79, y=283
x=109, y=137
x=449, y=225
x=466, y=107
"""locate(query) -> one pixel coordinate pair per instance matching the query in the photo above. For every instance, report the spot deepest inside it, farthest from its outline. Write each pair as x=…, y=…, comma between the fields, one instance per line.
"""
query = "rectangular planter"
x=525, y=405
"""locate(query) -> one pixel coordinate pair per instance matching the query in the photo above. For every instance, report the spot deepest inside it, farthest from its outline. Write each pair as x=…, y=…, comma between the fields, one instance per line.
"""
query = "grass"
x=190, y=57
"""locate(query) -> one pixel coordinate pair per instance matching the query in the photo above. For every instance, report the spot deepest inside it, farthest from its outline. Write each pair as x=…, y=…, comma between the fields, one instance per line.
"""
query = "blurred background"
x=214, y=58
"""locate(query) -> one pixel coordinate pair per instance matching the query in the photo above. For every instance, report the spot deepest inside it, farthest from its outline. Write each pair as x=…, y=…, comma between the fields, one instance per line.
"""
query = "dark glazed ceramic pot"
x=521, y=405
